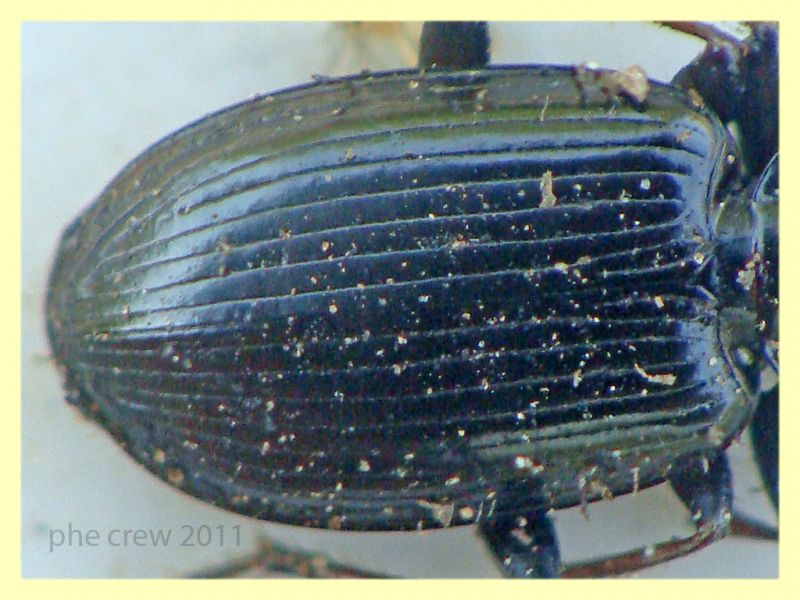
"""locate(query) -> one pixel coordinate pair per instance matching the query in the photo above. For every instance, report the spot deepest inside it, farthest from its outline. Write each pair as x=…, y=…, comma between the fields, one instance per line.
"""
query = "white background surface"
x=94, y=96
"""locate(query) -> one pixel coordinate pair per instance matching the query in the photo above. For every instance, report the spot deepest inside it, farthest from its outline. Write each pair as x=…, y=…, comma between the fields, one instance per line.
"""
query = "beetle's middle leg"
x=524, y=545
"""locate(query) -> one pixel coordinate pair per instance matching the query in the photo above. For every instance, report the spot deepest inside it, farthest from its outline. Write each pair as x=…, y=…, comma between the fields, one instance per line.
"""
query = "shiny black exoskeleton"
x=440, y=297
x=739, y=81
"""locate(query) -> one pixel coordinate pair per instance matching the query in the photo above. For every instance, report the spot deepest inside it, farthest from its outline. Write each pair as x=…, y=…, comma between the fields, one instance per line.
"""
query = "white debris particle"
x=631, y=82
x=466, y=513
x=402, y=340
x=644, y=184
x=333, y=309
x=443, y=513
x=577, y=377
x=549, y=199
x=522, y=462
x=527, y=463
x=659, y=301
x=363, y=466
x=744, y=356
x=746, y=277
x=544, y=108
x=175, y=476
x=663, y=379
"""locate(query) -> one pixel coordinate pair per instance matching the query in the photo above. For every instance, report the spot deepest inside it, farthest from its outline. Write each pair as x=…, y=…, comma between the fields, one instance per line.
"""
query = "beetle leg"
x=748, y=527
x=704, y=485
x=524, y=546
x=707, y=33
x=738, y=79
x=454, y=45
x=272, y=559
x=764, y=433
x=715, y=76
x=764, y=436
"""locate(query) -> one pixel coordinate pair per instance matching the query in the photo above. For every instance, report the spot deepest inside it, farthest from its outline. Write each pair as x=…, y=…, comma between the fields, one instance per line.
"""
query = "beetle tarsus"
x=454, y=45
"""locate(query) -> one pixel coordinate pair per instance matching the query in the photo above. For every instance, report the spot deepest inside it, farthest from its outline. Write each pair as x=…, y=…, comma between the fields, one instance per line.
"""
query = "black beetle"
x=490, y=366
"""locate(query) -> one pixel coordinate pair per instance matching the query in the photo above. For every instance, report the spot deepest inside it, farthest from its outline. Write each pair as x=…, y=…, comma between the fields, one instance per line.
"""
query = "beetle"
x=432, y=506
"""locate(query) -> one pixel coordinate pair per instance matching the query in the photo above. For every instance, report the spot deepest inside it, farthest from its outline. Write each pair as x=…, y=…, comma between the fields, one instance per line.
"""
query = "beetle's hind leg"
x=764, y=437
x=704, y=485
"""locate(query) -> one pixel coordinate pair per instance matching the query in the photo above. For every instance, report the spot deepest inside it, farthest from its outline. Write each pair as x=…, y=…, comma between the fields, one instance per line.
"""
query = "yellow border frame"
x=414, y=10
